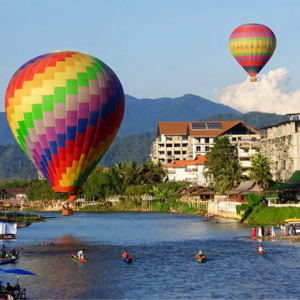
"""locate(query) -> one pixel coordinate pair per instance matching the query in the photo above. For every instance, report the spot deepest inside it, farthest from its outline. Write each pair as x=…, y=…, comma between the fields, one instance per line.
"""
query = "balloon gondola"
x=252, y=45
x=65, y=109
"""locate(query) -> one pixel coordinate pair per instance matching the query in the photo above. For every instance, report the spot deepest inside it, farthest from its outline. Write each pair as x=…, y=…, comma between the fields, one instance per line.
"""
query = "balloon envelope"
x=65, y=109
x=252, y=45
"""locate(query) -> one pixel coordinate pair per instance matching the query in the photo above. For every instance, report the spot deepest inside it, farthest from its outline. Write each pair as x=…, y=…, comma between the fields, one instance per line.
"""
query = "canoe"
x=127, y=260
x=4, y=261
x=76, y=259
x=201, y=260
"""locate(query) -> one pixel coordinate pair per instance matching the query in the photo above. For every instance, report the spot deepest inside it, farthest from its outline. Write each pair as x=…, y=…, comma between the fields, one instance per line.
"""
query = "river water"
x=163, y=248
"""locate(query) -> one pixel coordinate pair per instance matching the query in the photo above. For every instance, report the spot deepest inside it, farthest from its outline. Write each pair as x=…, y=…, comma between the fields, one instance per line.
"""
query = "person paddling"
x=200, y=255
x=80, y=254
x=125, y=255
x=260, y=249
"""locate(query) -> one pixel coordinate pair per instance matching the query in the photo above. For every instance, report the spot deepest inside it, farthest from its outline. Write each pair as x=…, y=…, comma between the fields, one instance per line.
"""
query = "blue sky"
x=156, y=47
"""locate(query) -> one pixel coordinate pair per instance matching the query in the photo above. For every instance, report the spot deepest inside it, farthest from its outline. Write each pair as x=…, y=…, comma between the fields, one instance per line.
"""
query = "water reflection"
x=163, y=247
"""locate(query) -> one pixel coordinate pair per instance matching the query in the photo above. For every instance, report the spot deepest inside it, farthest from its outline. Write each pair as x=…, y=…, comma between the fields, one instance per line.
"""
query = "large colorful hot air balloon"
x=65, y=109
x=252, y=45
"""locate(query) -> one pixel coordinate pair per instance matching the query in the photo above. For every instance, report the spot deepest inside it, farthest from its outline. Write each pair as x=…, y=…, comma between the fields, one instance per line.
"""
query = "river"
x=163, y=248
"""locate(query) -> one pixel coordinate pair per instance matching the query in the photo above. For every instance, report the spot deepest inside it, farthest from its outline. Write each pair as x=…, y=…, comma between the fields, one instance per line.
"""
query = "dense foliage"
x=222, y=167
x=260, y=171
x=123, y=179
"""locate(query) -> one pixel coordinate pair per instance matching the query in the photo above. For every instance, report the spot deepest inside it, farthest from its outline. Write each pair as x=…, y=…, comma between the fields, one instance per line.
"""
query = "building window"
x=161, y=160
x=234, y=139
x=177, y=152
x=198, y=148
x=176, y=145
x=184, y=137
x=206, y=148
x=168, y=138
x=184, y=145
x=161, y=152
x=169, y=160
x=206, y=140
x=169, y=145
x=169, y=153
x=183, y=152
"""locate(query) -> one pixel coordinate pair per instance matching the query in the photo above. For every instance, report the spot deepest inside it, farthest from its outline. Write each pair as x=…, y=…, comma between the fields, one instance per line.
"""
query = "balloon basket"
x=67, y=212
x=253, y=79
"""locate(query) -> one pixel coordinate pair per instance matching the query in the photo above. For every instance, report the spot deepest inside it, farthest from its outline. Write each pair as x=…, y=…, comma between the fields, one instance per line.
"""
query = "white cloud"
x=266, y=95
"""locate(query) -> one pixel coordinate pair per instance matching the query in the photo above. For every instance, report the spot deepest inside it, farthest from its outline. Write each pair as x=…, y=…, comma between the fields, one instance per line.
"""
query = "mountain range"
x=138, y=130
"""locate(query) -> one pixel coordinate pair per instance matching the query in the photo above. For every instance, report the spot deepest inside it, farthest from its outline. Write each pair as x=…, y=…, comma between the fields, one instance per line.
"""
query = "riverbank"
x=21, y=218
x=268, y=216
x=172, y=207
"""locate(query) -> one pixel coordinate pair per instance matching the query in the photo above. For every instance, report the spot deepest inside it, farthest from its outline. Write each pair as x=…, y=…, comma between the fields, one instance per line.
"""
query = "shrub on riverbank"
x=264, y=215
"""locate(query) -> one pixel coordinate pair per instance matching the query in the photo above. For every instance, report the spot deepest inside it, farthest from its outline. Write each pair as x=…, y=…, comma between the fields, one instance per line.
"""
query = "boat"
x=76, y=259
x=127, y=260
x=260, y=252
x=4, y=261
x=201, y=260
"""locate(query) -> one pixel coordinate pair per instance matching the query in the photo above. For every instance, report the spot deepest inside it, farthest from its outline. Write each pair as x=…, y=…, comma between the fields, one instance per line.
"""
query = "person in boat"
x=80, y=254
x=125, y=255
x=260, y=249
x=14, y=254
x=200, y=255
x=3, y=251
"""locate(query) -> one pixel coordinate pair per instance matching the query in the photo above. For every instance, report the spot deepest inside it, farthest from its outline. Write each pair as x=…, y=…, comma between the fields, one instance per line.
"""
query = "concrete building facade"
x=190, y=170
x=281, y=146
x=187, y=140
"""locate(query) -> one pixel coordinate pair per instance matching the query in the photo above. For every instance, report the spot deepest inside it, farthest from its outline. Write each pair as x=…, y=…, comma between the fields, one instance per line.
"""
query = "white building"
x=190, y=170
x=186, y=140
x=281, y=146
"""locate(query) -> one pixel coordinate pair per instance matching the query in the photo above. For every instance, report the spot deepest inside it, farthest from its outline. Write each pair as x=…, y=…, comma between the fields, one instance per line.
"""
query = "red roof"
x=185, y=128
x=199, y=160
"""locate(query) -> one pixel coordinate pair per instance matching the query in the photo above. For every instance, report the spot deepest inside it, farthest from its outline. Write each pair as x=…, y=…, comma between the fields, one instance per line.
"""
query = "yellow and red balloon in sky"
x=65, y=109
x=252, y=45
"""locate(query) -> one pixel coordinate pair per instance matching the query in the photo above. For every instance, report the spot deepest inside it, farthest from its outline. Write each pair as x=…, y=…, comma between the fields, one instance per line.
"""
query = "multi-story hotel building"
x=281, y=146
x=186, y=140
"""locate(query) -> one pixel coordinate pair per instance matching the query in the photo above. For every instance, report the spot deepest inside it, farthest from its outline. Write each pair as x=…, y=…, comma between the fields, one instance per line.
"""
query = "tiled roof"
x=16, y=190
x=199, y=160
x=173, y=128
x=182, y=128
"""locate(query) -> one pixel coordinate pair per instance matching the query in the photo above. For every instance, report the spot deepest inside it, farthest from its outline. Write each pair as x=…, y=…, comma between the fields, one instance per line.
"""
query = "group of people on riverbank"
x=262, y=232
x=289, y=230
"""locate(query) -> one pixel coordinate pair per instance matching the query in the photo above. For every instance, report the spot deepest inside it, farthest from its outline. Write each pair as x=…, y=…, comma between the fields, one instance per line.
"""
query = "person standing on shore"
x=254, y=233
x=273, y=235
x=259, y=232
x=263, y=231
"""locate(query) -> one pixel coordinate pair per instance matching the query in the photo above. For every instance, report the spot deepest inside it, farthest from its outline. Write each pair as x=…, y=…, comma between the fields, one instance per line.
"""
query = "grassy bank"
x=264, y=215
x=177, y=207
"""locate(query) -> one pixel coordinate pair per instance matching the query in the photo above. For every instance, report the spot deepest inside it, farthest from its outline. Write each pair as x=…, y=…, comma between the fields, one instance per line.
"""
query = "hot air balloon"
x=65, y=109
x=252, y=45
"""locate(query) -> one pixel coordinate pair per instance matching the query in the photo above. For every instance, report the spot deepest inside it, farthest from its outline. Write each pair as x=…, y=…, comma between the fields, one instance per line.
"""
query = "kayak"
x=260, y=252
x=4, y=261
x=127, y=260
x=76, y=259
x=201, y=260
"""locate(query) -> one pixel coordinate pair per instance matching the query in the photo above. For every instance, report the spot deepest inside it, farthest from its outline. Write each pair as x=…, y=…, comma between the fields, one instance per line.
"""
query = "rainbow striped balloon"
x=252, y=45
x=65, y=109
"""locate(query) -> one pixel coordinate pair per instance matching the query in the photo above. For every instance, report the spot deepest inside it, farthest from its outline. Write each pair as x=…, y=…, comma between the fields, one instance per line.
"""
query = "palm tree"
x=229, y=177
x=260, y=171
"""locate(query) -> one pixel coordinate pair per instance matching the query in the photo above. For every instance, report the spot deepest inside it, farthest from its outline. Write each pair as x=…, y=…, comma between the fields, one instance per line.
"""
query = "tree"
x=260, y=171
x=229, y=177
x=220, y=155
